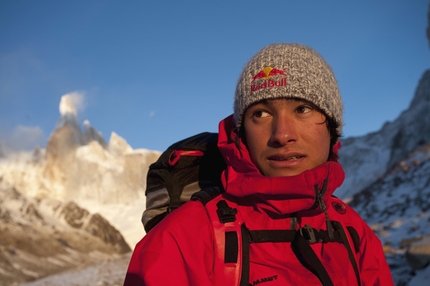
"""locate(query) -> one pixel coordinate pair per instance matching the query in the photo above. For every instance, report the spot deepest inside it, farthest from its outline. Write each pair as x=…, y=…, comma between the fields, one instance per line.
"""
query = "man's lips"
x=285, y=157
x=285, y=161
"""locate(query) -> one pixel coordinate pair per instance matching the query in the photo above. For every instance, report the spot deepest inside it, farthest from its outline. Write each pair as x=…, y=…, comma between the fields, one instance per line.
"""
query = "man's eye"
x=303, y=109
x=261, y=114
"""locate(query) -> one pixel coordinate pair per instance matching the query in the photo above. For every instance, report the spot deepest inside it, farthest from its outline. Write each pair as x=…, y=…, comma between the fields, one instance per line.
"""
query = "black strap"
x=340, y=230
x=207, y=194
x=355, y=238
x=246, y=240
x=311, y=235
x=309, y=259
x=231, y=250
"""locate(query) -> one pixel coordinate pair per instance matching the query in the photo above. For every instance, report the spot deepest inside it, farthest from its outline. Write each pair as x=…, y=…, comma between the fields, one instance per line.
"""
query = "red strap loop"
x=176, y=155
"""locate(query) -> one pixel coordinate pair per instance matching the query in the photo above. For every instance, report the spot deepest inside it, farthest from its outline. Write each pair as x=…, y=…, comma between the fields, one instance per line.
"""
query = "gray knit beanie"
x=288, y=71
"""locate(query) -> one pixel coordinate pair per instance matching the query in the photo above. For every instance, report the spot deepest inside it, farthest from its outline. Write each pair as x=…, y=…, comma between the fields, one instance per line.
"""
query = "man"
x=280, y=146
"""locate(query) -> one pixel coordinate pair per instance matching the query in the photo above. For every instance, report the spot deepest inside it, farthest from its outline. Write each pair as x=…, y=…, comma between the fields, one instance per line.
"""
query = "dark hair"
x=334, y=137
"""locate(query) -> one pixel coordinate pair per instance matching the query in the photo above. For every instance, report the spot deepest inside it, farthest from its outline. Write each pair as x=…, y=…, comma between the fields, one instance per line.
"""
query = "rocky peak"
x=367, y=158
x=91, y=134
x=118, y=145
x=422, y=93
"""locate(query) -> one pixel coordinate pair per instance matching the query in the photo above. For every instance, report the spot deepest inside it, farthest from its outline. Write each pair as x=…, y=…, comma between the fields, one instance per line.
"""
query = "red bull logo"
x=266, y=75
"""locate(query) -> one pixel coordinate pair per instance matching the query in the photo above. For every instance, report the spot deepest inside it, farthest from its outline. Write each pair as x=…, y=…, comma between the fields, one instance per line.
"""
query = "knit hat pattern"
x=288, y=71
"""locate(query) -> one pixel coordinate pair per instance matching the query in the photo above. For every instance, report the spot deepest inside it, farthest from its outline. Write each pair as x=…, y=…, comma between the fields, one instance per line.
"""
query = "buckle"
x=308, y=233
x=225, y=213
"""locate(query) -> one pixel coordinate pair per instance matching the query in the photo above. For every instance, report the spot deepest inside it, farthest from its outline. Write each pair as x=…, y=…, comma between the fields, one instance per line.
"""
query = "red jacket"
x=180, y=249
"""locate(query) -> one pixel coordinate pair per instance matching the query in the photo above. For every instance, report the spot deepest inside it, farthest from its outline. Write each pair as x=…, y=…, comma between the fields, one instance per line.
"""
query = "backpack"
x=190, y=170
x=186, y=167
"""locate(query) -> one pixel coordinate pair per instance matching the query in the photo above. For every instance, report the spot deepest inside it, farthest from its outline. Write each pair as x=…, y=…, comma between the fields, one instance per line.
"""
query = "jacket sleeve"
x=178, y=251
x=373, y=266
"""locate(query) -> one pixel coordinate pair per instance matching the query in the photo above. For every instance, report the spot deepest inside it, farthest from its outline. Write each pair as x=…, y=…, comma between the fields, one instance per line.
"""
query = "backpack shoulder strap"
x=232, y=239
x=349, y=236
x=354, y=237
x=227, y=239
x=207, y=194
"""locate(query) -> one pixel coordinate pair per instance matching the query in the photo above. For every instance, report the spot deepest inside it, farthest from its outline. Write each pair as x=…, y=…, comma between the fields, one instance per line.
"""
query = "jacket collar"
x=282, y=195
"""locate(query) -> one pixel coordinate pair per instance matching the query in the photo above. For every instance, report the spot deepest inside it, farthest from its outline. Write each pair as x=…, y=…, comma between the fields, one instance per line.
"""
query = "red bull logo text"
x=264, y=79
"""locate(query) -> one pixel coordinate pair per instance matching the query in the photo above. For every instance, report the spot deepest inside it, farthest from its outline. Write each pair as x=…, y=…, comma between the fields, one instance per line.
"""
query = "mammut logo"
x=339, y=207
x=265, y=79
x=264, y=280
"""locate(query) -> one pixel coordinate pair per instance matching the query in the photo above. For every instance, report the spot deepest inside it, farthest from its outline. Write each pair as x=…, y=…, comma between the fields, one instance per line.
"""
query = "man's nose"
x=284, y=131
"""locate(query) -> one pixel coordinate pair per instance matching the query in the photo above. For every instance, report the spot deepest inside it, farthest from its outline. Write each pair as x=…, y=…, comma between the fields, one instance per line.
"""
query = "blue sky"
x=156, y=72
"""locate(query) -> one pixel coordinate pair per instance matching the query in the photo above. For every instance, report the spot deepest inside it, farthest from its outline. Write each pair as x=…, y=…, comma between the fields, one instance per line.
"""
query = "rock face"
x=39, y=237
x=397, y=207
x=418, y=253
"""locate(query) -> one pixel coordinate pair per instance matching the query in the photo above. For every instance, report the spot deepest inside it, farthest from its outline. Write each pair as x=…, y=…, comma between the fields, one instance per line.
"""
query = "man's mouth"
x=292, y=158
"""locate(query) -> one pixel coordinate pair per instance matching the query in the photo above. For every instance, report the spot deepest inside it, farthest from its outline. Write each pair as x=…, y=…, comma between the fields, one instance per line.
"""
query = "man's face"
x=286, y=137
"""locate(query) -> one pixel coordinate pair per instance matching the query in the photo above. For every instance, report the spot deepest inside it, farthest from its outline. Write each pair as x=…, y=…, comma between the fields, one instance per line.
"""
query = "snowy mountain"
x=75, y=203
x=367, y=158
x=388, y=184
x=397, y=207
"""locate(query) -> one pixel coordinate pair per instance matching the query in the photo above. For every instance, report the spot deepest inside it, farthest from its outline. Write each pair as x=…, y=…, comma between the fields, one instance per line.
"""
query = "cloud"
x=73, y=102
x=24, y=138
x=151, y=113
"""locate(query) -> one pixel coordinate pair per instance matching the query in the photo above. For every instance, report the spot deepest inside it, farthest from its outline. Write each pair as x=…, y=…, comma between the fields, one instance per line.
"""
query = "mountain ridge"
x=367, y=158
